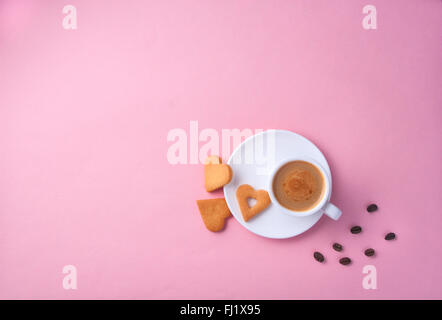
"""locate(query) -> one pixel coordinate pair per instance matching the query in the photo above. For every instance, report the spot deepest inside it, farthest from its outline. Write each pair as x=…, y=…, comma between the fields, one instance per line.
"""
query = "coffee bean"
x=356, y=229
x=390, y=236
x=345, y=261
x=369, y=252
x=337, y=247
x=318, y=256
x=372, y=208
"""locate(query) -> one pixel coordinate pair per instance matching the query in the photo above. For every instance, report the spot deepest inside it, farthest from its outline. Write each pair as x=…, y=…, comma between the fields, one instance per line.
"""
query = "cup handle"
x=332, y=211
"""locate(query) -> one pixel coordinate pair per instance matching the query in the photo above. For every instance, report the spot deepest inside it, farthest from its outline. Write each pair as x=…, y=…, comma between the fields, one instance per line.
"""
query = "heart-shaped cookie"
x=244, y=193
x=214, y=213
x=213, y=160
x=216, y=174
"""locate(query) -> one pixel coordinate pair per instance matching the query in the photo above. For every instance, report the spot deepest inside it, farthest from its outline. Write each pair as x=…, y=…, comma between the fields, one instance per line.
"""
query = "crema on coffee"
x=298, y=185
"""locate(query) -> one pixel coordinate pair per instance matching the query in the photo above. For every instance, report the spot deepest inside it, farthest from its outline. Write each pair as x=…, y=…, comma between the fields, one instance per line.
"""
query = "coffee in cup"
x=299, y=186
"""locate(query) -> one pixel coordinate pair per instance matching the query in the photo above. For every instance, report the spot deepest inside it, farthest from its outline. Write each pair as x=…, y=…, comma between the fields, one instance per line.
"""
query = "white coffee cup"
x=324, y=205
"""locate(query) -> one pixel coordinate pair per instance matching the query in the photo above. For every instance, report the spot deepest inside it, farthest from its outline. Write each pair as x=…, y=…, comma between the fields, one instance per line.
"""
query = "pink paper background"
x=84, y=117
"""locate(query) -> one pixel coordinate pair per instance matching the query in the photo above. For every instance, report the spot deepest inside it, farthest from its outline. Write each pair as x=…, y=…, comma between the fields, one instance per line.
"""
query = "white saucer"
x=250, y=166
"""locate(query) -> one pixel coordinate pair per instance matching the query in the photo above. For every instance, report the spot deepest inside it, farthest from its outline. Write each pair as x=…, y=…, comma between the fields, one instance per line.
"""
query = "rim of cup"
x=325, y=197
